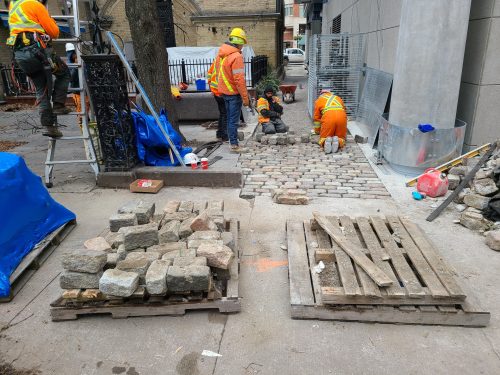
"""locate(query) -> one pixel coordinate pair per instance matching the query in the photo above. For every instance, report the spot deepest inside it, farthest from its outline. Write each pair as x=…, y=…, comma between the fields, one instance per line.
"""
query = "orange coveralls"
x=330, y=118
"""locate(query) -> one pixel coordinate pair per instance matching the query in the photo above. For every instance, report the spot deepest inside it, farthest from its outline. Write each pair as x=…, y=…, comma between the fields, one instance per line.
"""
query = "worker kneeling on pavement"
x=270, y=111
x=330, y=121
x=31, y=32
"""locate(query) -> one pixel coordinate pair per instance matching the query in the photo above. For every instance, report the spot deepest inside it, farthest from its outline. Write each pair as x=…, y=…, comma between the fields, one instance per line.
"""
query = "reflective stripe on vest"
x=332, y=105
x=261, y=107
x=24, y=21
x=224, y=78
x=214, y=83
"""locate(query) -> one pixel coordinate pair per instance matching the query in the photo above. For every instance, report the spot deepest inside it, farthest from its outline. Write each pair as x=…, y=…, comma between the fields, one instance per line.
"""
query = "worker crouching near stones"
x=270, y=111
x=330, y=121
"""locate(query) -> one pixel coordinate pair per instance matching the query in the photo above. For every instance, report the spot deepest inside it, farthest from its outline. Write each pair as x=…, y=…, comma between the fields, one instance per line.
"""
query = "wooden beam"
x=355, y=252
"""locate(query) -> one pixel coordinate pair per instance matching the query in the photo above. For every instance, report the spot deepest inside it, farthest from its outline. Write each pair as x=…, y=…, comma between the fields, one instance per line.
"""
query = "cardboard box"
x=146, y=186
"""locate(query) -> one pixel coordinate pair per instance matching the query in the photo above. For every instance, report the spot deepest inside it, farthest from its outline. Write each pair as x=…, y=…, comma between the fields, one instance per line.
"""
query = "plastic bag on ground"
x=152, y=147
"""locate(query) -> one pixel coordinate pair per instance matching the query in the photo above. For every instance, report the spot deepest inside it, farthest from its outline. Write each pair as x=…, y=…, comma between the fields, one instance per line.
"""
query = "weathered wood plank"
x=301, y=292
x=423, y=268
x=403, y=270
x=378, y=255
x=344, y=265
x=387, y=314
x=234, y=271
x=331, y=296
x=435, y=260
x=355, y=252
x=370, y=289
x=311, y=237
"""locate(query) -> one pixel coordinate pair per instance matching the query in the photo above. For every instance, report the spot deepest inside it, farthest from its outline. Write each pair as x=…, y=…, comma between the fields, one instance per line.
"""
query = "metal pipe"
x=144, y=95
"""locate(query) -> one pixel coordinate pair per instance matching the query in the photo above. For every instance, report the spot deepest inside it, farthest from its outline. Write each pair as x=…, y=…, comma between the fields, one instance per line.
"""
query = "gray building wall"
x=479, y=99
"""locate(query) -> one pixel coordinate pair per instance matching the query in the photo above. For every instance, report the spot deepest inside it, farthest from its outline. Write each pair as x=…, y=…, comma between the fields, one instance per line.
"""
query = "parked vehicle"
x=294, y=55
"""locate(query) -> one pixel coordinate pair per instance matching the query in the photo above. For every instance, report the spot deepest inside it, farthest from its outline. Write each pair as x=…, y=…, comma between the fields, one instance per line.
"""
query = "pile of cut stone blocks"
x=178, y=251
x=474, y=200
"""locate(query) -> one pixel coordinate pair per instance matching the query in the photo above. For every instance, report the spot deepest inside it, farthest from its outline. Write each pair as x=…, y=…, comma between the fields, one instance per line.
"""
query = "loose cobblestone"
x=347, y=174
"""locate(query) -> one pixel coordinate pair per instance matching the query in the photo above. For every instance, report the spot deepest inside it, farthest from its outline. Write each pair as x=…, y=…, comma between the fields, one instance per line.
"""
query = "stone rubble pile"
x=473, y=201
x=177, y=251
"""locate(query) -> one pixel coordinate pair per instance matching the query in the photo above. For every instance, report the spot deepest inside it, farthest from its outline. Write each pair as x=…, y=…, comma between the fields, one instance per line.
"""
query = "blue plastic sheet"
x=28, y=215
x=152, y=147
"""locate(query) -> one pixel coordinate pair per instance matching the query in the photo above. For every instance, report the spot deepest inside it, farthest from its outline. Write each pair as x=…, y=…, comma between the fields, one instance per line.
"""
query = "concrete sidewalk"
x=262, y=339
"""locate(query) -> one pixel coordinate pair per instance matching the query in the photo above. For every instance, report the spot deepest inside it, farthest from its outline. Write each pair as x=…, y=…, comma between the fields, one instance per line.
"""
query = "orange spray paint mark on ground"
x=266, y=264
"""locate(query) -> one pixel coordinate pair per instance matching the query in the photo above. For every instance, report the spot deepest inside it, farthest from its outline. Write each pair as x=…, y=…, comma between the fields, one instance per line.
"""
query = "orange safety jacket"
x=31, y=16
x=325, y=103
x=231, y=75
x=213, y=76
x=263, y=104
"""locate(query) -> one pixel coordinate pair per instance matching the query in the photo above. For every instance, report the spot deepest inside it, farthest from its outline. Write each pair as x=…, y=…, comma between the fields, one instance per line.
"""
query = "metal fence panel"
x=373, y=100
x=336, y=64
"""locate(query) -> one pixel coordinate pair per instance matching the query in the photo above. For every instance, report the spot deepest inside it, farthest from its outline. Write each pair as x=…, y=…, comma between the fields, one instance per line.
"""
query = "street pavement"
x=262, y=339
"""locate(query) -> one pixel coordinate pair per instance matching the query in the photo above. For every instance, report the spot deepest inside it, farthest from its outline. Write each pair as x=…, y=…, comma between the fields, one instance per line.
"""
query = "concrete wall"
x=480, y=89
x=428, y=65
x=379, y=20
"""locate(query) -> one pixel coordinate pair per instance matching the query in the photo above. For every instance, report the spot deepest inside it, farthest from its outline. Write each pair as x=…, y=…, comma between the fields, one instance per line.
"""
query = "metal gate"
x=336, y=64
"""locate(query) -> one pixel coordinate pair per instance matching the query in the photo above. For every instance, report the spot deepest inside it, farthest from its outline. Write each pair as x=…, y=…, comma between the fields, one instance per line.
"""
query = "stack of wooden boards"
x=375, y=270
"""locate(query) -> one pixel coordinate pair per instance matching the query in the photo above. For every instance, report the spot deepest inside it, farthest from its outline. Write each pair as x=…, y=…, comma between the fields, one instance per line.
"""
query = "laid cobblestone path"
x=347, y=174
x=304, y=166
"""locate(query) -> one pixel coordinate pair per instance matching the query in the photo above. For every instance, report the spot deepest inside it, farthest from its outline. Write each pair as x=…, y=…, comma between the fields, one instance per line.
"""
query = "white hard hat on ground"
x=191, y=158
x=70, y=47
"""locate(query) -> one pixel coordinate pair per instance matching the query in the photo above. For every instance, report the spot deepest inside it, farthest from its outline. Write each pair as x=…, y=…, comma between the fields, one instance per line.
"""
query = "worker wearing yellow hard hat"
x=227, y=80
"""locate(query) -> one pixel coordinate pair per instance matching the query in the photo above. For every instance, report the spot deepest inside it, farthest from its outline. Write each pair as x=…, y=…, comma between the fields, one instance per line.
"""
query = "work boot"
x=335, y=144
x=52, y=132
x=60, y=109
x=328, y=145
x=236, y=149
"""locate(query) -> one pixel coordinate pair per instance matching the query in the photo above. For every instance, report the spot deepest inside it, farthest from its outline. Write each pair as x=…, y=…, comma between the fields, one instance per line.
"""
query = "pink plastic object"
x=433, y=183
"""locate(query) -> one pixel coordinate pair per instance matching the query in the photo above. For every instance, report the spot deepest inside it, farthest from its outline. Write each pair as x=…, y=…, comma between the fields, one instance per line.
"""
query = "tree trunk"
x=151, y=55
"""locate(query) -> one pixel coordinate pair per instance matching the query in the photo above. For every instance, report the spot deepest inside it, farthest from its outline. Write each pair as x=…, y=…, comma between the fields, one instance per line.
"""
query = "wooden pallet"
x=33, y=261
x=344, y=293
x=62, y=310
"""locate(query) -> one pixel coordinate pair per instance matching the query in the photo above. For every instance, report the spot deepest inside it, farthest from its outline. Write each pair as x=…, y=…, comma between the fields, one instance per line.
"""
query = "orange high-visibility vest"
x=213, y=76
x=263, y=104
x=31, y=16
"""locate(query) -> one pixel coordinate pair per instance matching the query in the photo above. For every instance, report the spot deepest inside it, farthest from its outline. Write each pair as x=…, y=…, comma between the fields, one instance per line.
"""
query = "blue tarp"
x=152, y=147
x=28, y=215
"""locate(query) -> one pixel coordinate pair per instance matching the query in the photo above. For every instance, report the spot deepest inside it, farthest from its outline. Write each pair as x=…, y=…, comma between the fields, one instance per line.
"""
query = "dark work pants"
x=222, y=125
x=274, y=126
x=46, y=90
x=233, y=109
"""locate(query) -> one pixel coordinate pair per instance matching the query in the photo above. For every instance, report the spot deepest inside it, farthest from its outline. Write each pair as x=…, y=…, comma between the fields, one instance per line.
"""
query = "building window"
x=288, y=10
x=302, y=13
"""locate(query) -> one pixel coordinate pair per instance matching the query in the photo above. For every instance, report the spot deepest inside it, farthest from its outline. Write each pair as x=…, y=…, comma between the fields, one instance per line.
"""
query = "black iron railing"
x=16, y=83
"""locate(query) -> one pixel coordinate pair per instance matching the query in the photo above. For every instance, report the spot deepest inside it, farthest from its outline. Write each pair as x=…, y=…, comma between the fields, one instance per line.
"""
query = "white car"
x=294, y=55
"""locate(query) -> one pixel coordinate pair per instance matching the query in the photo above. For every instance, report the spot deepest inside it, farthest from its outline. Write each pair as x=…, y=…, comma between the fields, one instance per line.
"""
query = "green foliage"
x=271, y=79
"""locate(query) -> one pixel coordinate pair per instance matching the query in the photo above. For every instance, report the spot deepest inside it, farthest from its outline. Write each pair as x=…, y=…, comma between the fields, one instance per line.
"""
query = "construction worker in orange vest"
x=270, y=111
x=330, y=121
x=31, y=32
x=231, y=83
x=213, y=74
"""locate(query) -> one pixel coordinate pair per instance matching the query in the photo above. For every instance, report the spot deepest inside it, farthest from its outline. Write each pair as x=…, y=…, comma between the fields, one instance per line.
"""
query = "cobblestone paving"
x=344, y=175
x=303, y=166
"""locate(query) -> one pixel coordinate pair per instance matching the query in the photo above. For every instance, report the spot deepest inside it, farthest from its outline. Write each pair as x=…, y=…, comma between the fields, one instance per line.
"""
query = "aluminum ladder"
x=90, y=153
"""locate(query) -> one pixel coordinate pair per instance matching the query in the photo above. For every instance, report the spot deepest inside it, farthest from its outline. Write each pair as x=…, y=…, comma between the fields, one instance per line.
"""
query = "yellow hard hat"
x=238, y=36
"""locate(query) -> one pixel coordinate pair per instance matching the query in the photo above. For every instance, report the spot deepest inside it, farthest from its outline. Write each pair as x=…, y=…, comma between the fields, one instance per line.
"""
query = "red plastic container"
x=433, y=183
